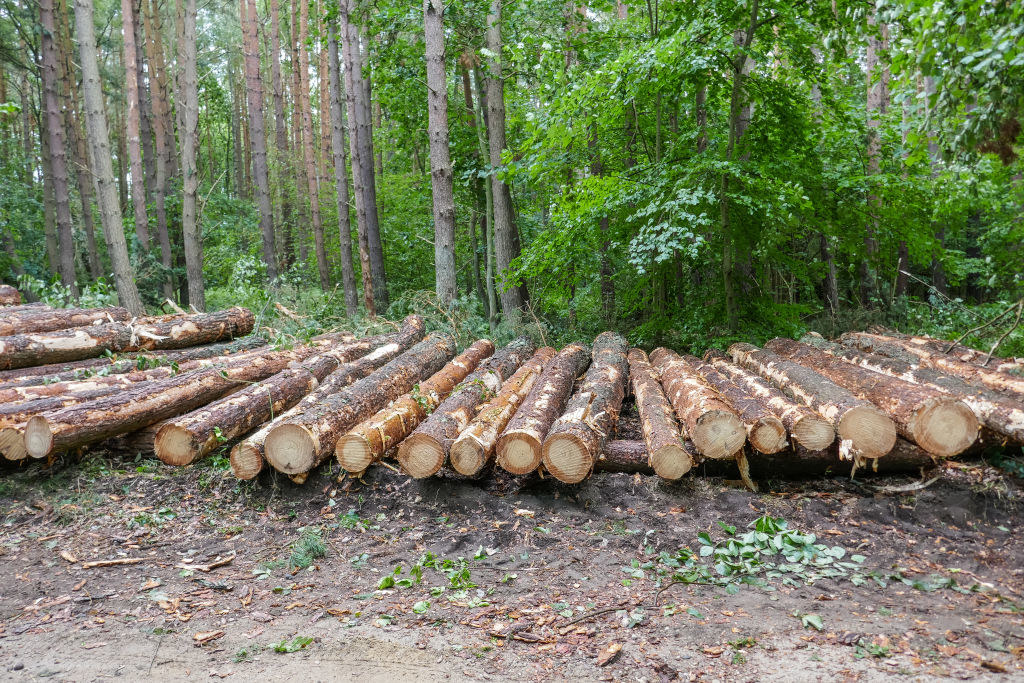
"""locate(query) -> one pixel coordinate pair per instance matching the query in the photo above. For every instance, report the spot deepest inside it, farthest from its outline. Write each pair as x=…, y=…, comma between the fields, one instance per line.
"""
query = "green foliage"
x=310, y=547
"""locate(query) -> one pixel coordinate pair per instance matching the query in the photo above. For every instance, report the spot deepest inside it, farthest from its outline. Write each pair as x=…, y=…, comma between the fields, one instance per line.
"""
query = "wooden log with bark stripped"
x=711, y=424
x=519, y=446
x=367, y=442
x=38, y=320
x=864, y=430
x=960, y=352
x=25, y=350
x=423, y=454
x=9, y=296
x=573, y=443
x=937, y=422
x=662, y=433
x=474, y=447
x=304, y=441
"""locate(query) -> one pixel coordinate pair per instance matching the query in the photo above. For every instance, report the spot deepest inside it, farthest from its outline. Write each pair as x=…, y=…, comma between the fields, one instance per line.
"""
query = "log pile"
x=9, y=296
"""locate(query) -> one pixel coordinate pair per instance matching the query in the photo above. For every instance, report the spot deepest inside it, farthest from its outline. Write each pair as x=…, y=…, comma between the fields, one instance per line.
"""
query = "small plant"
x=294, y=645
x=869, y=649
x=308, y=548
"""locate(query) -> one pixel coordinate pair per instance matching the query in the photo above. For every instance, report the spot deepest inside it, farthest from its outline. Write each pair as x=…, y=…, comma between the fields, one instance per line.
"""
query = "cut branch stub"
x=662, y=433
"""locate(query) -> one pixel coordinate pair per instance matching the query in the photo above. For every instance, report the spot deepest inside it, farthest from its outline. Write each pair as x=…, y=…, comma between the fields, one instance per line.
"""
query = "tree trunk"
x=304, y=441
x=663, y=435
x=474, y=447
x=32, y=321
x=519, y=446
x=367, y=442
x=572, y=445
x=303, y=105
x=711, y=424
x=482, y=149
x=423, y=453
x=866, y=432
x=133, y=123
x=806, y=428
x=440, y=159
x=284, y=160
x=831, y=282
x=506, y=238
x=9, y=296
x=338, y=144
x=190, y=230
x=49, y=202
x=88, y=342
x=145, y=103
x=877, y=102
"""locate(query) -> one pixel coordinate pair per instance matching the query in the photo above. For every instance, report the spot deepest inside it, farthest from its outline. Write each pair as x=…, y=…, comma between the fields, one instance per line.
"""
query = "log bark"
x=965, y=353
x=663, y=435
x=573, y=443
x=20, y=351
x=805, y=427
x=711, y=424
x=424, y=452
x=34, y=321
x=998, y=412
x=14, y=413
x=897, y=348
x=474, y=447
x=631, y=457
x=367, y=442
x=9, y=296
x=937, y=422
x=145, y=404
x=865, y=431
x=304, y=441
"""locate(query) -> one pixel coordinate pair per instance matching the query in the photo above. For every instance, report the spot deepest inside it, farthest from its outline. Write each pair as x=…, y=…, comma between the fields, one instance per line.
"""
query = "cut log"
x=22, y=411
x=25, y=350
x=961, y=352
x=474, y=447
x=519, y=446
x=864, y=430
x=631, y=457
x=144, y=404
x=897, y=348
x=805, y=427
x=367, y=442
x=424, y=452
x=304, y=441
x=711, y=424
x=998, y=412
x=573, y=443
x=662, y=433
x=36, y=320
x=9, y=296
x=937, y=422
x=12, y=442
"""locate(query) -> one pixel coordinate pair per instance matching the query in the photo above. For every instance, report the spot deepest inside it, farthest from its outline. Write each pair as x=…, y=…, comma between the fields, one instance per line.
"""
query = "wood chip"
x=113, y=563
x=219, y=562
x=609, y=653
x=69, y=556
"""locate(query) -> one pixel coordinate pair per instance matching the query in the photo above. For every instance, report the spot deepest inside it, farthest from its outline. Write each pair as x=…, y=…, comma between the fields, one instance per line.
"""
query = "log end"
x=421, y=456
x=518, y=452
x=246, y=461
x=290, y=449
x=813, y=432
x=566, y=457
x=174, y=445
x=944, y=427
x=467, y=457
x=12, y=443
x=353, y=453
x=718, y=435
x=671, y=462
x=38, y=437
x=872, y=432
x=768, y=435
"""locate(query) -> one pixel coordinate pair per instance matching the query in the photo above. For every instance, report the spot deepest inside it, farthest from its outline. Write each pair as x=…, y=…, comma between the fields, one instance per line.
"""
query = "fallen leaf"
x=204, y=637
x=69, y=556
x=522, y=512
x=714, y=651
x=609, y=653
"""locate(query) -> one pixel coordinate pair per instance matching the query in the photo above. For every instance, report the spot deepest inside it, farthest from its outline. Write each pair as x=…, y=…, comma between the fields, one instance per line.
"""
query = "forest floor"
x=533, y=581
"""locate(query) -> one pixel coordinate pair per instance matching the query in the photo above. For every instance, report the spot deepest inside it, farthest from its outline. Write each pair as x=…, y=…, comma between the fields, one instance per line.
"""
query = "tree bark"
x=190, y=230
x=338, y=144
x=877, y=74
x=20, y=351
x=711, y=424
x=519, y=446
x=806, y=428
x=313, y=189
x=424, y=452
x=49, y=202
x=573, y=444
x=474, y=447
x=482, y=145
x=866, y=432
x=284, y=160
x=9, y=296
x=961, y=352
x=33, y=321
x=663, y=435
x=304, y=441
x=367, y=442
x=133, y=124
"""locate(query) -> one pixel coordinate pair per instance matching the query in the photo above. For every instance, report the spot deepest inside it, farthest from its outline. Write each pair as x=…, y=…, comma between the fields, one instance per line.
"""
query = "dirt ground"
x=553, y=581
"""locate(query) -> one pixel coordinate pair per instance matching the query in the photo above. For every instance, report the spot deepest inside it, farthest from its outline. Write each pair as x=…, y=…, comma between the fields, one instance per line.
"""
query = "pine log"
x=864, y=430
x=937, y=422
x=998, y=412
x=24, y=350
x=1013, y=385
x=9, y=296
x=144, y=404
x=22, y=411
x=304, y=441
x=619, y=455
x=573, y=443
x=711, y=424
x=367, y=442
x=662, y=432
x=519, y=446
x=473, y=449
x=12, y=442
x=961, y=352
x=805, y=427
x=35, y=321
x=765, y=430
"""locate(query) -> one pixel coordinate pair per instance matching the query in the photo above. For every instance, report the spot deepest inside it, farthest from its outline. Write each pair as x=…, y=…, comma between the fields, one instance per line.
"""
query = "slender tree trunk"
x=301, y=183
x=877, y=104
x=99, y=148
x=190, y=178
x=307, y=150
x=465, y=62
x=49, y=201
x=132, y=124
x=145, y=102
x=605, y=272
x=488, y=217
x=323, y=74
x=58, y=159
x=338, y=143
x=236, y=136
x=280, y=135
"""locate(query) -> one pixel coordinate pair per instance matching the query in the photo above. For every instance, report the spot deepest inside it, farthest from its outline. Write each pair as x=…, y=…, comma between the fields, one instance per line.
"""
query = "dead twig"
x=1016, y=323
x=113, y=563
x=592, y=614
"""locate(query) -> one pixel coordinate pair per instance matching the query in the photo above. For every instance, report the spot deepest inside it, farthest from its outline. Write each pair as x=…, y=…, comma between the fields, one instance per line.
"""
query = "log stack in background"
x=9, y=296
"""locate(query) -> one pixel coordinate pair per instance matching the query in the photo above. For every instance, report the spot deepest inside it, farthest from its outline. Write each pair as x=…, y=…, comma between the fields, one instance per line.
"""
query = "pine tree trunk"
x=189, y=105
x=283, y=165
x=338, y=144
x=482, y=149
x=301, y=182
x=662, y=434
x=49, y=202
x=319, y=245
x=132, y=124
x=877, y=74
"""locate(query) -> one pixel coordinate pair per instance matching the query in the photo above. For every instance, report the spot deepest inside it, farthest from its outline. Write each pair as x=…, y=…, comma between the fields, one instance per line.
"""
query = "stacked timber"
x=9, y=296
x=960, y=352
x=36, y=320
x=670, y=458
